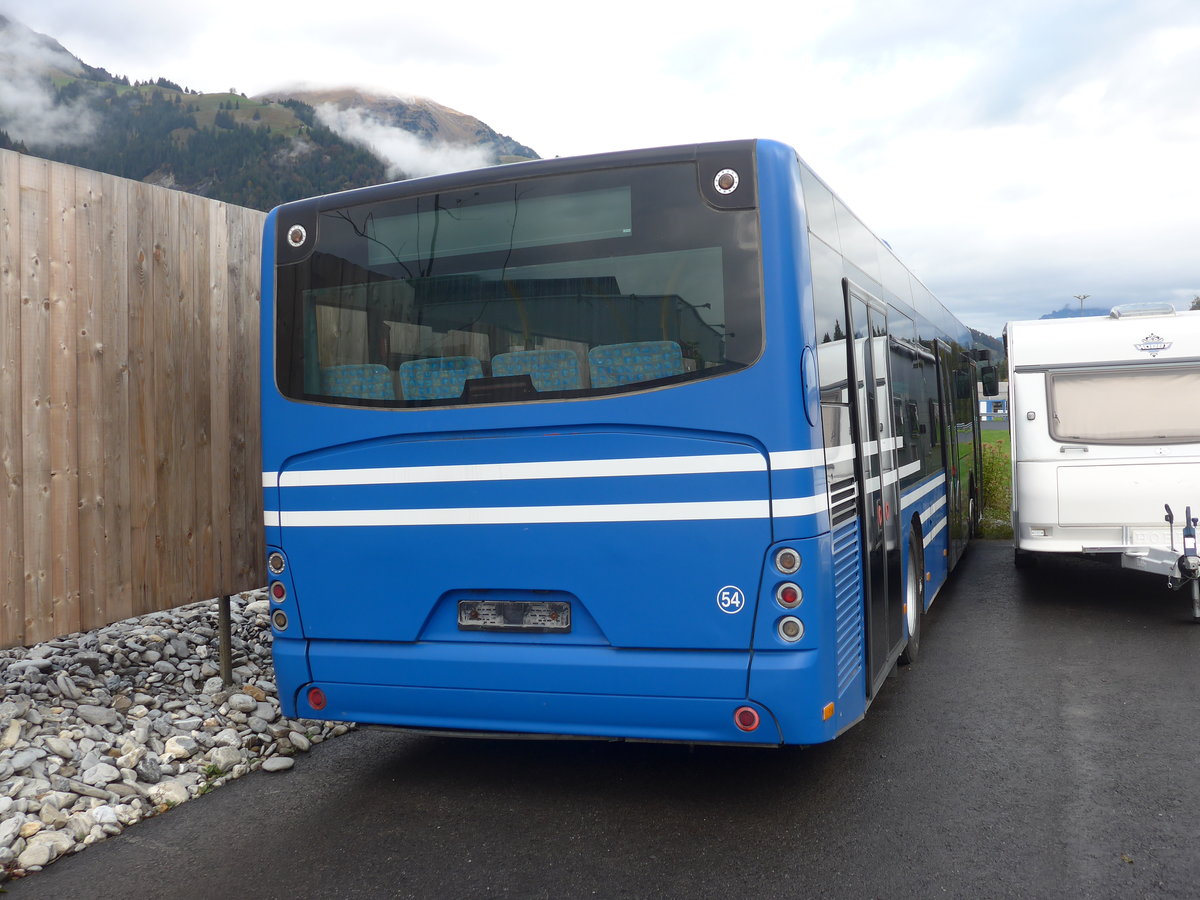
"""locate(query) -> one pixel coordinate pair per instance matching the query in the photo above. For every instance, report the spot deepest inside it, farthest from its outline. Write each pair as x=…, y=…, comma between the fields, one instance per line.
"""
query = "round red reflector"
x=316, y=698
x=789, y=595
x=746, y=718
x=278, y=591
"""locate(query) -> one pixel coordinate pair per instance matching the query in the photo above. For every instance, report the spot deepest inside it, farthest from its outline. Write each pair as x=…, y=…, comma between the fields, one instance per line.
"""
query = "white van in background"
x=1105, y=430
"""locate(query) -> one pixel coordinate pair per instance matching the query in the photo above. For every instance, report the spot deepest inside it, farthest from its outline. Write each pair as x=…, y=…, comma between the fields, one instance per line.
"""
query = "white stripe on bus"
x=917, y=493
x=722, y=463
x=541, y=515
x=567, y=468
x=928, y=514
x=934, y=532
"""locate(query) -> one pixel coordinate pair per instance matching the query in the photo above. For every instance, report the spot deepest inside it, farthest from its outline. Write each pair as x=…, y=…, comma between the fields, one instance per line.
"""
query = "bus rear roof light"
x=726, y=181
x=746, y=718
x=275, y=563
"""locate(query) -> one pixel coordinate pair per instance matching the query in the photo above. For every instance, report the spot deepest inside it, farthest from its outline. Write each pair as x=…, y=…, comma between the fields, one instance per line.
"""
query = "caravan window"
x=1135, y=405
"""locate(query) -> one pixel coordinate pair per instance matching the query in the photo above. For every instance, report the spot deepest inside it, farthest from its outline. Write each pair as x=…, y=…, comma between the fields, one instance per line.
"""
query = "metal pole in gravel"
x=226, y=631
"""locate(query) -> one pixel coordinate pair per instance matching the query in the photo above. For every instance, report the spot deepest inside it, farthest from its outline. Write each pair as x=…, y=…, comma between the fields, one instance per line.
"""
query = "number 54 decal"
x=730, y=599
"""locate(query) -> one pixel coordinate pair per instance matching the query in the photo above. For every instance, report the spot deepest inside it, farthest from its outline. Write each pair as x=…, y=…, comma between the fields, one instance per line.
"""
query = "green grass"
x=997, y=485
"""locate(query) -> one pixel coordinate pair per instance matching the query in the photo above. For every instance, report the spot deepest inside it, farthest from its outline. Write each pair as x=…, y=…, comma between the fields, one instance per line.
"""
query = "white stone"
x=12, y=734
x=104, y=815
x=60, y=747
x=179, y=747
x=224, y=758
x=243, y=703
x=131, y=757
x=101, y=774
x=9, y=828
x=78, y=825
x=35, y=855
x=172, y=793
x=278, y=764
x=299, y=741
x=60, y=841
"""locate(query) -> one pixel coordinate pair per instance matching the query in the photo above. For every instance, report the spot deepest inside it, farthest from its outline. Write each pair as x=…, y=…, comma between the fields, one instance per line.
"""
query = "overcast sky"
x=1013, y=154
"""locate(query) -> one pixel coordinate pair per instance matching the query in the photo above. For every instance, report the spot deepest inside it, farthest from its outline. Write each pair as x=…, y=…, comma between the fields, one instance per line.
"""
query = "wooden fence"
x=129, y=440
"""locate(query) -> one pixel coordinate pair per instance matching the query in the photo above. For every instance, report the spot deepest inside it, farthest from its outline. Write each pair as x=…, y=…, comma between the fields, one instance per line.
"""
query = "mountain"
x=431, y=121
x=1069, y=311
x=256, y=152
x=987, y=342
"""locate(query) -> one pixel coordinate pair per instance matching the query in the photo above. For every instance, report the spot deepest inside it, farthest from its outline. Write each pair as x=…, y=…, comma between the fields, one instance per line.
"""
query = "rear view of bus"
x=542, y=454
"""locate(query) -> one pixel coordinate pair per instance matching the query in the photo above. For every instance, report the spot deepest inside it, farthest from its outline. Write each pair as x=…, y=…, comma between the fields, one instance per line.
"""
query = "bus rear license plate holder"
x=520, y=616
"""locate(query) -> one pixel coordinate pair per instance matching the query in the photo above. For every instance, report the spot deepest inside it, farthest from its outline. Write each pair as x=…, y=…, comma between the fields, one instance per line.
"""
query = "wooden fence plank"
x=142, y=401
x=246, y=475
x=115, y=423
x=89, y=301
x=203, y=577
x=170, y=510
x=64, y=430
x=35, y=398
x=12, y=544
x=219, y=353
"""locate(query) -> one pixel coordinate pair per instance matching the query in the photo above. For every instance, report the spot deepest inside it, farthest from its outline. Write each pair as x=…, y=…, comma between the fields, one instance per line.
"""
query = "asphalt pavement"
x=1045, y=744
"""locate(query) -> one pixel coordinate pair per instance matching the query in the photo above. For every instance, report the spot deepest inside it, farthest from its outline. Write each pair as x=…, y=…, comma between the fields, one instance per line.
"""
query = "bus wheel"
x=914, y=599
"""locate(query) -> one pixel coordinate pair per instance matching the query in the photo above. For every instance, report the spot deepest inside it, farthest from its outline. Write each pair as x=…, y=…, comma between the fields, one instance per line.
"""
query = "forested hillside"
x=253, y=152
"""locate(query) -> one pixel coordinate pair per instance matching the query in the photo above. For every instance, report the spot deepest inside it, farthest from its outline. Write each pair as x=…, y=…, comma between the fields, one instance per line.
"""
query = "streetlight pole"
x=1081, y=298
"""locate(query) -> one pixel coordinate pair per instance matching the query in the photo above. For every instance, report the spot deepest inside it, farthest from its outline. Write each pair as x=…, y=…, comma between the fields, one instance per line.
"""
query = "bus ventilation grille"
x=847, y=585
x=843, y=497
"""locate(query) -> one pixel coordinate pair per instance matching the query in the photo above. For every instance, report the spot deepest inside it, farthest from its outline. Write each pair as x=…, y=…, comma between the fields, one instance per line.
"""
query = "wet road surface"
x=1046, y=744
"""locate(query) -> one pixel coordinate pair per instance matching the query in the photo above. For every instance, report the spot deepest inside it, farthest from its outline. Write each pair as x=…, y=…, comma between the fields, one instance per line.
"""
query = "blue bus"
x=661, y=444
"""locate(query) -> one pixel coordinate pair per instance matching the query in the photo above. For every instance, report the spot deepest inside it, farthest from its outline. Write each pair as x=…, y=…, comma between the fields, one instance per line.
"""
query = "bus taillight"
x=746, y=718
x=788, y=595
x=316, y=698
x=787, y=561
x=278, y=591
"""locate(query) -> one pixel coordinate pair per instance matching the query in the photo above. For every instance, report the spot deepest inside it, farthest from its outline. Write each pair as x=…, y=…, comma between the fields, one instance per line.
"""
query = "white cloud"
x=28, y=109
x=406, y=154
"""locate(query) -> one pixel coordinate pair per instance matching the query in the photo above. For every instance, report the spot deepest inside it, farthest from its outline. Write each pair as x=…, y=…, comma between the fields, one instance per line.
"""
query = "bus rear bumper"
x=699, y=720
x=664, y=695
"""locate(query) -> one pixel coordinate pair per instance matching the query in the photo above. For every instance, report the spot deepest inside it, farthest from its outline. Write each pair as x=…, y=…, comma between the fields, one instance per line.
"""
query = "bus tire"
x=914, y=599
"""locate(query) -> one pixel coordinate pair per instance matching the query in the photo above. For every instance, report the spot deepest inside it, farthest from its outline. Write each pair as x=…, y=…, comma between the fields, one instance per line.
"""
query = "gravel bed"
x=99, y=730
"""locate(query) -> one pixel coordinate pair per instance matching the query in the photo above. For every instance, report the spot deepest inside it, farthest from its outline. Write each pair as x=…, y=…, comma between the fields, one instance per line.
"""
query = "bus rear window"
x=1125, y=406
x=553, y=288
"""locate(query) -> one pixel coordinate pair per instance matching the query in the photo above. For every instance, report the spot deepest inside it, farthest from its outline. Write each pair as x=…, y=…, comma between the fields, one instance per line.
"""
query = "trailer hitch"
x=1187, y=568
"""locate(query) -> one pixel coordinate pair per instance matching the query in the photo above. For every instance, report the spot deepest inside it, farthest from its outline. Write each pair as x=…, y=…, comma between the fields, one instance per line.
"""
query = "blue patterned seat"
x=439, y=377
x=365, y=382
x=549, y=370
x=614, y=364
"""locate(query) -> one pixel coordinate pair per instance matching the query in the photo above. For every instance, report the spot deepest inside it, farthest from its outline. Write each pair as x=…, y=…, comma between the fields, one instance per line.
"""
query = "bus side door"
x=879, y=497
x=956, y=517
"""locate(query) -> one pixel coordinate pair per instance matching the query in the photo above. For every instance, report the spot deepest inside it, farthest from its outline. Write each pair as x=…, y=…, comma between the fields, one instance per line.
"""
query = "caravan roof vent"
x=1138, y=310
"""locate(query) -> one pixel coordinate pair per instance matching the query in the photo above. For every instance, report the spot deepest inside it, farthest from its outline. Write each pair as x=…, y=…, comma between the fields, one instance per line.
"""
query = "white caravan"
x=1105, y=430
